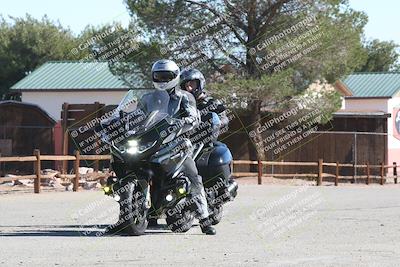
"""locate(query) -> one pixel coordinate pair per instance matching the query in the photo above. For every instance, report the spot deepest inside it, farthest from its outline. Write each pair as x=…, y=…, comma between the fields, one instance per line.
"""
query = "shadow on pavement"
x=55, y=226
x=66, y=233
x=78, y=231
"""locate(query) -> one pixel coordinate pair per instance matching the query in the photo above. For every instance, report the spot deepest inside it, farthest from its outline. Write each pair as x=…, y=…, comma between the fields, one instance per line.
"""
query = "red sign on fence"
x=396, y=122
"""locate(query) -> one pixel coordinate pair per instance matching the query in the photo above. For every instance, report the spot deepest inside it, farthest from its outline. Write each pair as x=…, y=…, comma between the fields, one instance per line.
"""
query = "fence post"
x=37, y=167
x=320, y=171
x=382, y=172
x=65, y=136
x=354, y=173
x=368, y=174
x=76, y=167
x=96, y=165
x=337, y=174
x=260, y=171
x=395, y=172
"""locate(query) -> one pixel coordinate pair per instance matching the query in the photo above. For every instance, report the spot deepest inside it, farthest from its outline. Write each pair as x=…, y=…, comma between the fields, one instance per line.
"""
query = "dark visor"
x=163, y=76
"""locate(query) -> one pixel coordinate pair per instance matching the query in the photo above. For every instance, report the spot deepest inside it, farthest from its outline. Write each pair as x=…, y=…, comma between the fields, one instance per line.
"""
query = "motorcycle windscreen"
x=153, y=105
x=154, y=100
x=128, y=102
x=158, y=100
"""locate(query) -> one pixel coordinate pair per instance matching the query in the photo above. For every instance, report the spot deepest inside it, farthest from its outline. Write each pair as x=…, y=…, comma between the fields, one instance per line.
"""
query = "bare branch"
x=220, y=46
x=234, y=13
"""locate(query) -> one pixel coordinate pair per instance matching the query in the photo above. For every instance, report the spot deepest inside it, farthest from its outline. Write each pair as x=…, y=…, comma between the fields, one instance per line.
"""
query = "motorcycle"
x=147, y=155
x=214, y=166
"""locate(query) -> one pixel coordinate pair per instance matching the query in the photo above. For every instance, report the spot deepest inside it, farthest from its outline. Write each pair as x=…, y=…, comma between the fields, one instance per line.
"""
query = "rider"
x=166, y=76
x=193, y=81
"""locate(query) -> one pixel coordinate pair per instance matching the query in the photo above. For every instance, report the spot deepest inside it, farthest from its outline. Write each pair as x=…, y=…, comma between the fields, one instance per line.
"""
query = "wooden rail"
x=319, y=175
x=37, y=159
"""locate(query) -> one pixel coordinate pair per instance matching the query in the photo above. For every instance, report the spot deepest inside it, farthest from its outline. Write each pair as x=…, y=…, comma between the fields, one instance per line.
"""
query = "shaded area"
x=78, y=231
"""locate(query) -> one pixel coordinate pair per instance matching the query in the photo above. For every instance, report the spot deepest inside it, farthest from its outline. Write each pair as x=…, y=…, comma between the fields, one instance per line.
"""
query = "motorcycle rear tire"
x=216, y=216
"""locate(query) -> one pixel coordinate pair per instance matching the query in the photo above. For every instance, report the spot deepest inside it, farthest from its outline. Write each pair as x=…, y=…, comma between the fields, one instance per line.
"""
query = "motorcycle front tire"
x=180, y=222
x=132, y=214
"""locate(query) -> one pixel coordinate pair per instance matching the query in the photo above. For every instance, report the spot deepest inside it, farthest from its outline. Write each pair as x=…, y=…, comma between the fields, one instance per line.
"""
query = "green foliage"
x=381, y=56
x=341, y=50
x=26, y=43
x=321, y=99
x=282, y=94
x=276, y=88
x=242, y=26
x=127, y=54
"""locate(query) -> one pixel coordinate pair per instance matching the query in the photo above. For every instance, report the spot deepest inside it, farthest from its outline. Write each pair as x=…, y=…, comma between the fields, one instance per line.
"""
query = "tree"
x=262, y=40
x=26, y=43
x=245, y=24
x=381, y=56
x=126, y=54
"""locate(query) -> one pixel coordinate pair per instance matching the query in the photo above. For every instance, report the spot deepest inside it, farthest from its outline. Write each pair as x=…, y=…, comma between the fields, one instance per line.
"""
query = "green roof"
x=376, y=84
x=71, y=75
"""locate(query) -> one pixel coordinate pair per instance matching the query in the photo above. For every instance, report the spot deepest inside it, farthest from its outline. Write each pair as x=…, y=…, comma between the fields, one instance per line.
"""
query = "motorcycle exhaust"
x=232, y=189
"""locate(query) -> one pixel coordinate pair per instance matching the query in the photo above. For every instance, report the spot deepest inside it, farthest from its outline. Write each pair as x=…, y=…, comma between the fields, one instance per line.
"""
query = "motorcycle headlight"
x=133, y=147
x=132, y=150
x=169, y=197
x=181, y=190
x=133, y=143
x=107, y=189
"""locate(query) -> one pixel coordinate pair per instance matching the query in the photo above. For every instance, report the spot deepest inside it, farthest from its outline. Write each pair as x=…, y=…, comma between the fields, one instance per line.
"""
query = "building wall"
x=343, y=103
x=52, y=102
x=386, y=105
x=367, y=104
x=24, y=128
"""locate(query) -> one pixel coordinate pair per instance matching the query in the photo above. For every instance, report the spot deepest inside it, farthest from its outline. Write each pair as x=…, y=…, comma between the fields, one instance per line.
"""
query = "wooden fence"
x=319, y=174
x=37, y=159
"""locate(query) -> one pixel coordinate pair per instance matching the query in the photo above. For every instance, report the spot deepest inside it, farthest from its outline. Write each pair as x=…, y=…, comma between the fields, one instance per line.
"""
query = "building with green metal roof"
x=371, y=84
x=72, y=75
x=88, y=84
x=73, y=82
x=368, y=94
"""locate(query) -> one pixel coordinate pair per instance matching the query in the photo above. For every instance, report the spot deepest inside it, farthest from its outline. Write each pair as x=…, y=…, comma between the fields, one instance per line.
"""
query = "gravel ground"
x=268, y=225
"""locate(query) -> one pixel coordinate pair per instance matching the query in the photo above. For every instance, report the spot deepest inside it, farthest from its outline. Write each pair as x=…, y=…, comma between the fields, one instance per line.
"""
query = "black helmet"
x=193, y=75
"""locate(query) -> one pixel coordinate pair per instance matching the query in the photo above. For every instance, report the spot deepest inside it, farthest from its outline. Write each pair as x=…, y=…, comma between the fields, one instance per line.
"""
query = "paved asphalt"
x=267, y=225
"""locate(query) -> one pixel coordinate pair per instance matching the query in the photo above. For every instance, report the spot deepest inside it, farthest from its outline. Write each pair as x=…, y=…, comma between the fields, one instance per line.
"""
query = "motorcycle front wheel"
x=133, y=215
x=180, y=222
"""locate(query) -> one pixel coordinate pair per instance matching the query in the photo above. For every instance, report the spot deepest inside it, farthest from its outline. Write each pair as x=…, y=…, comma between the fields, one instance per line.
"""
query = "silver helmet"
x=196, y=75
x=165, y=74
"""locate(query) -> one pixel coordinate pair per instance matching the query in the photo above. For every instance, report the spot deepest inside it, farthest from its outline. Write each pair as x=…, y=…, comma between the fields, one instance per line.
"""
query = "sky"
x=383, y=18
x=75, y=14
x=384, y=15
